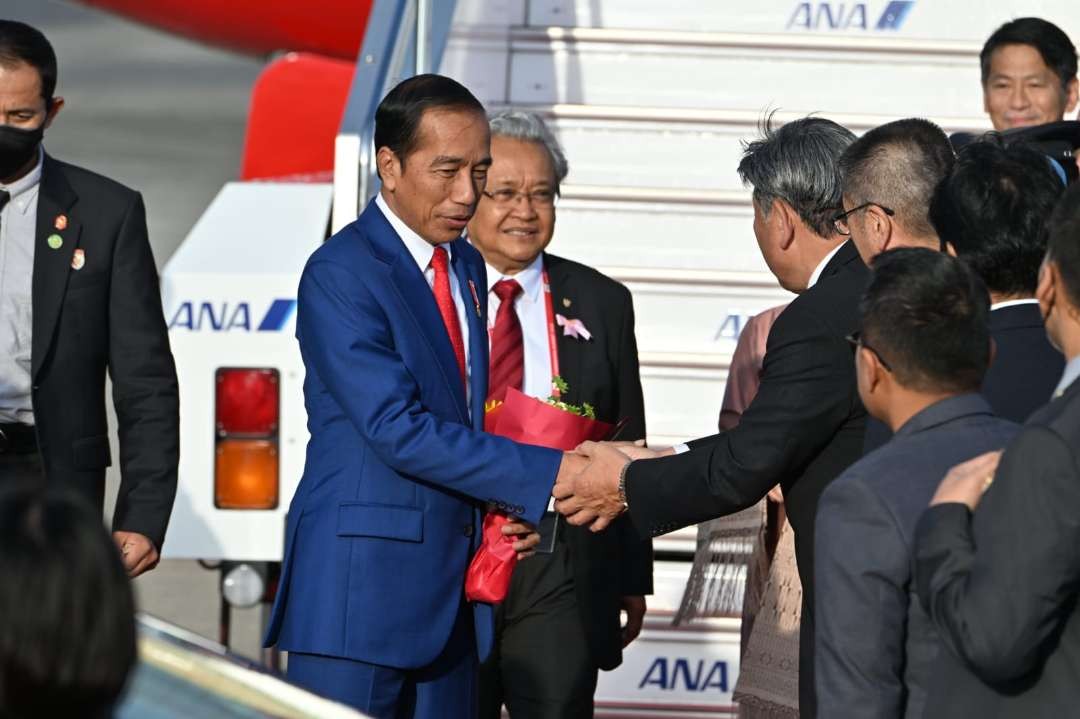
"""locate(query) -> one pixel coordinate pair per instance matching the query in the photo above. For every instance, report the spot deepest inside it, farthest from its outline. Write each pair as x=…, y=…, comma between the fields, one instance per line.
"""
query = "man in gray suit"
x=920, y=358
x=1002, y=583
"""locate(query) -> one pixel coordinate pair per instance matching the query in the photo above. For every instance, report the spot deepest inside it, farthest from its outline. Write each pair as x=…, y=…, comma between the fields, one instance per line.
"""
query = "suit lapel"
x=474, y=295
x=51, y=266
x=417, y=298
x=565, y=303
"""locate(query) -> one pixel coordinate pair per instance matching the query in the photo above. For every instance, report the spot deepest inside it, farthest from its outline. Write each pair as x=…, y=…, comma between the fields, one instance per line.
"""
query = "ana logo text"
x=230, y=316
x=686, y=675
x=849, y=16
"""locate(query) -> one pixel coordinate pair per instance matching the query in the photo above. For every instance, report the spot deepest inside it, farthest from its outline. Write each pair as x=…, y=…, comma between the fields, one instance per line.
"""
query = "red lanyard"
x=553, y=348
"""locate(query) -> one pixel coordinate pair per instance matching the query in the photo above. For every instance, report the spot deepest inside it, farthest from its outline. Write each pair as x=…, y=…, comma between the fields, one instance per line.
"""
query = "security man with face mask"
x=78, y=297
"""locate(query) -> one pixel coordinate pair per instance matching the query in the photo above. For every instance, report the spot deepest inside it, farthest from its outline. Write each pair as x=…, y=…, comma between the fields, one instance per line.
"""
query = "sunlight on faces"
x=436, y=189
x=21, y=103
x=1021, y=90
x=510, y=234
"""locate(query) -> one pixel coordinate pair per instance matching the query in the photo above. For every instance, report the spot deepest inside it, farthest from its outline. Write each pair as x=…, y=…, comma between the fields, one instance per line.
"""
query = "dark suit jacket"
x=105, y=316
x=1025, y=370
x=603, y=372
x=1026, y=367
x=803, y=428
x=875, y=645
x=1002, y=586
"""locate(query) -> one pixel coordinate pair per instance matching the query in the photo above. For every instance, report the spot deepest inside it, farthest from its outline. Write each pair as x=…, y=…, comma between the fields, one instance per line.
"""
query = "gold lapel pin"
x=61, y=222
x=566, y=302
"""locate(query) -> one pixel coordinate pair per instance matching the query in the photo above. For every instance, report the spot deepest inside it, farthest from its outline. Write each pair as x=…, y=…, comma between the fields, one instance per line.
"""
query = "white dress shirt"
x=422, y=251
x=18, y=230
x=531, y=308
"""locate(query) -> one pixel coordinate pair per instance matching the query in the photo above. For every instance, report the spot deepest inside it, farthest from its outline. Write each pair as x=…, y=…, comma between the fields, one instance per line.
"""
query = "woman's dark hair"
x=1053, y=44
x=928, y=316
x=67, y=613
x=994, y=209
x=21, y=43
x=397, y=119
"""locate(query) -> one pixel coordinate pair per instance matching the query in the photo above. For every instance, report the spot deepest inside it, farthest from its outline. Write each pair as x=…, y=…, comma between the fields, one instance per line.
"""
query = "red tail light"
x=246, y=414
x=247, y=401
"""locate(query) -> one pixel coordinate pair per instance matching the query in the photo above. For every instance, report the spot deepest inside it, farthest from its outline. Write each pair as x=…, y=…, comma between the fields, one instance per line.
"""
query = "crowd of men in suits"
x=938, y=308
x=950, y=275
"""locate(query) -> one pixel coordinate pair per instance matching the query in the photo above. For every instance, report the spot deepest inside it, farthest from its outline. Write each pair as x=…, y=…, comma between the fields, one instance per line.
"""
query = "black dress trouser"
x=541, y=666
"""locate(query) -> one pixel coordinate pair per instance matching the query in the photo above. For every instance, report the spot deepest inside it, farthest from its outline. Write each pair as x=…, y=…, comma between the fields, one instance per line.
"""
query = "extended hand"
x=137, y=552
x=637, y=449
x=529, y=537
x=635, y=617
x=966, y=482
x=592, y=497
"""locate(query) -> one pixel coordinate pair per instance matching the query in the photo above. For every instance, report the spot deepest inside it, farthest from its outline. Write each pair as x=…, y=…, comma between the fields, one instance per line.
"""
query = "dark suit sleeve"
x=861, y=571
x=636, y=554
x=144, y=385
x=806, y=394
x=999, y=603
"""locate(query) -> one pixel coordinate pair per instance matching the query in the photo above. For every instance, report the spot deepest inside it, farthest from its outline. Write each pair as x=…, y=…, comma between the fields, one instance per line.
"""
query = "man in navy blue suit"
x=393, y=332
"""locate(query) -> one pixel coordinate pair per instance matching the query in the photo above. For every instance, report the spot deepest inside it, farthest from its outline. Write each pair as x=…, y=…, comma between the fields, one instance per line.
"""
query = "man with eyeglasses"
x=889, y=178
x=920, y=358
x=550, y=316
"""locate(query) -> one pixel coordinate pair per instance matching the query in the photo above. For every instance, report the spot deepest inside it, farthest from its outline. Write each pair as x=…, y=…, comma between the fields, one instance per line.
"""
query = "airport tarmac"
x=166, y=117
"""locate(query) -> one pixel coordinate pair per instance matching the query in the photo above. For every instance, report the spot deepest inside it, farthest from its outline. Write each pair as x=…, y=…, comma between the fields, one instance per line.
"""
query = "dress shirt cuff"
x=680, y=448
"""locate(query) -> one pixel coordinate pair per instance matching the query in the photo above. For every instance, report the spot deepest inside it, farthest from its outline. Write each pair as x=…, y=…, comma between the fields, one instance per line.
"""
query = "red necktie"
x=445, y=300
x=507, y=344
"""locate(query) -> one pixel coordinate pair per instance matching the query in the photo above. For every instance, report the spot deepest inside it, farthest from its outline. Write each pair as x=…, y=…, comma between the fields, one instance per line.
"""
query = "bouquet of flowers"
x=547, y=423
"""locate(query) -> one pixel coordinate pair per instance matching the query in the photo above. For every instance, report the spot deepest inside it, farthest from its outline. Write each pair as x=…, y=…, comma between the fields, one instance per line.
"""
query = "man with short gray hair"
x=550, y=316
x=805, y=424
x=890, y=175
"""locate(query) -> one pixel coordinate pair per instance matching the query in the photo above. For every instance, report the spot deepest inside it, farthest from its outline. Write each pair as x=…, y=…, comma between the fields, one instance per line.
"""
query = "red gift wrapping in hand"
x=529, y=421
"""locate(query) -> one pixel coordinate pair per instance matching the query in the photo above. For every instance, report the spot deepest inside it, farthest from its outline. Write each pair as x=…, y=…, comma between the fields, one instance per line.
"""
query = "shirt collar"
x=421, y=250
x=1072, y=372
x=24, y=189
x=531, y=278
x=945, y=410
x=1013, y=303
x=821, y=266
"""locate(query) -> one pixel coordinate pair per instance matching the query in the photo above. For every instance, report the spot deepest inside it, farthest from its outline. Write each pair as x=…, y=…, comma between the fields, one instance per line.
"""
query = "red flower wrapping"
x=529, y=421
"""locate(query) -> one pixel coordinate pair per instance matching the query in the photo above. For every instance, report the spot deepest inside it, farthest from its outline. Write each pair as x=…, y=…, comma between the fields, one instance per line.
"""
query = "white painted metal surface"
x=244, y=254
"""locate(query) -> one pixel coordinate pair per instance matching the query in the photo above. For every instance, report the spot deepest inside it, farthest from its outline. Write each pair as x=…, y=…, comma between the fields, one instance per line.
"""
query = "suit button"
x=467, y=530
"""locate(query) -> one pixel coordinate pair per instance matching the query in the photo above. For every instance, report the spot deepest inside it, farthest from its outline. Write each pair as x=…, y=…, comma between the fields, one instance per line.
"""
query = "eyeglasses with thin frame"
x=856, y=341
x=840, y=218
x=506, y=197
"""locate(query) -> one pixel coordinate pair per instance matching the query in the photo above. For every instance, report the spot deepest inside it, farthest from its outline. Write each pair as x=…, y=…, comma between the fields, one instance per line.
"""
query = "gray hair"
x=799, y=164
x=528, y=126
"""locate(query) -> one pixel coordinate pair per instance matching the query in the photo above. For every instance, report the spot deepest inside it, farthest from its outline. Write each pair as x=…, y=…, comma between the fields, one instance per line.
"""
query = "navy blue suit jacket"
x=875, y=645
x=387, y=515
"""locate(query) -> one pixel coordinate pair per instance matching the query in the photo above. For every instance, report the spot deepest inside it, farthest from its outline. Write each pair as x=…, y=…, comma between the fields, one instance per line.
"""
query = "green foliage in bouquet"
x=583, y=410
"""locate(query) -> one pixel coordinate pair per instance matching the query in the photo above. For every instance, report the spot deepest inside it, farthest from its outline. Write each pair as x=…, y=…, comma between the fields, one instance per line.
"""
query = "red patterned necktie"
x=440, y=262
x=507, y=343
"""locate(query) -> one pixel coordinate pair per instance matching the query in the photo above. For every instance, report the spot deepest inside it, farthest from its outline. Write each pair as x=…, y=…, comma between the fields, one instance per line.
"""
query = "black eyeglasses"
x=856, y=341
x=839, y=220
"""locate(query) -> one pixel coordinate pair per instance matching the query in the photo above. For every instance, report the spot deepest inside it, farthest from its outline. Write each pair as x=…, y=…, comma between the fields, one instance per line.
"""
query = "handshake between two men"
x=589, y=490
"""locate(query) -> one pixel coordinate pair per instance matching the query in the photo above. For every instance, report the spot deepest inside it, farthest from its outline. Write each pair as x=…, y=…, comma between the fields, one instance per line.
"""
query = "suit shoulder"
x=347, y=247
x=87, y=183
x=597, y=282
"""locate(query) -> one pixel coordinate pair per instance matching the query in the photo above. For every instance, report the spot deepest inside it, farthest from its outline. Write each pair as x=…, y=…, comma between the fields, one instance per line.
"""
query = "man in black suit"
x=1001, y=586
x=805, y=425
x=890, y=174
x=921, y=353
x=560, y=622
x=992, y=211
x=78, y=296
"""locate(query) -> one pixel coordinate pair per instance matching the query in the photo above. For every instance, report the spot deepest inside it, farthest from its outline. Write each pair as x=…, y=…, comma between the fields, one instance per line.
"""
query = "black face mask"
x=17, y=146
